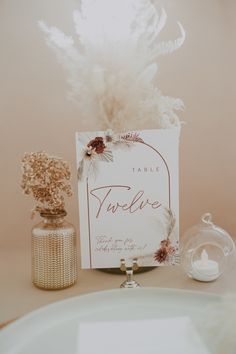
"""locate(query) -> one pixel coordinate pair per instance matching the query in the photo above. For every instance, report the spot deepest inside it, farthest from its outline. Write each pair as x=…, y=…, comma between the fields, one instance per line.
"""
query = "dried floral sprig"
x=46, y=179
x=100, y=149
x=132, y=137
x=96, y=150
x=166, y=252
x=170, y=220
x=112, y=64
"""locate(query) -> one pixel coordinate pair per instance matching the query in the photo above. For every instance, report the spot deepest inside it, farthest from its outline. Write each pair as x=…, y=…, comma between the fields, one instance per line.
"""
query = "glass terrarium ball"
x=207, y=250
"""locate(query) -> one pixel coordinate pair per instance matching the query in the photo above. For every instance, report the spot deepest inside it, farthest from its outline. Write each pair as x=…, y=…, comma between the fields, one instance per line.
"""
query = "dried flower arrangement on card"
x=46, y=178
x=112, y=64
x=166, y=253
x=100, y=149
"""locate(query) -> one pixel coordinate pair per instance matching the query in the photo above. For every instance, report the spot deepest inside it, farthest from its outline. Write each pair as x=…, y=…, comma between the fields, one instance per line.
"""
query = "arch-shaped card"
x=128, y=197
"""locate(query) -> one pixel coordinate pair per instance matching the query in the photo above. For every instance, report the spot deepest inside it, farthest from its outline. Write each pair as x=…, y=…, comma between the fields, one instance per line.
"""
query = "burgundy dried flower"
x=97, y=144
x=161, y=255
x=165, y=243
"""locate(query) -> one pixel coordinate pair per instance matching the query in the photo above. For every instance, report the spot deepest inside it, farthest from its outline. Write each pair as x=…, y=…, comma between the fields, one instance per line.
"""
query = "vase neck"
x=53, y=218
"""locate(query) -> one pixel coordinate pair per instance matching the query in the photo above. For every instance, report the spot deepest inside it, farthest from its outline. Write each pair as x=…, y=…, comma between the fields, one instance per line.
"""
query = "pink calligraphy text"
x=106, y=203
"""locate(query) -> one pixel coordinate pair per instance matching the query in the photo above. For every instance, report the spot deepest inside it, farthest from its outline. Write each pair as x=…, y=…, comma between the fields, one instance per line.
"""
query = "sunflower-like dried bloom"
x=46, y=178
x=165, y=252
x=161, y=255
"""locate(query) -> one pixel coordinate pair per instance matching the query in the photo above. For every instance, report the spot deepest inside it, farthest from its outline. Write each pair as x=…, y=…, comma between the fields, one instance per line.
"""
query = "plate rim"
x=42, y=309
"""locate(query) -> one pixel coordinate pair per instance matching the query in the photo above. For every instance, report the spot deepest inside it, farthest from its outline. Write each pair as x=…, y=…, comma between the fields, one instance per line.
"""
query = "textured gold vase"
x=54, y=260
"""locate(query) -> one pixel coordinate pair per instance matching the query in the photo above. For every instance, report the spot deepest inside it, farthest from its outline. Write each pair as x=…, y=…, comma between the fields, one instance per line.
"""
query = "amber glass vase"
x=54, y=261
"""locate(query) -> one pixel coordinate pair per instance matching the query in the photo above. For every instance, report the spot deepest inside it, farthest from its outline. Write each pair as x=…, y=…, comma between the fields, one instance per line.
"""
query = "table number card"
x=128, y=197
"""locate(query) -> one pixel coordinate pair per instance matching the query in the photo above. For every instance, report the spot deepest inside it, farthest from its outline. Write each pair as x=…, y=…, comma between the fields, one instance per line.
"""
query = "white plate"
x=53, y=329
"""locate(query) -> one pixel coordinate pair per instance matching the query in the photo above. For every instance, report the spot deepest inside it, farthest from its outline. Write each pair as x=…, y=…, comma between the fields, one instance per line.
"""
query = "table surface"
x=18, y=296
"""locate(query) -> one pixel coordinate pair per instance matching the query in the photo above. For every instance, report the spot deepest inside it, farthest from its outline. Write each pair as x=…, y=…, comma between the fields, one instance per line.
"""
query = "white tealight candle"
x=205, y=269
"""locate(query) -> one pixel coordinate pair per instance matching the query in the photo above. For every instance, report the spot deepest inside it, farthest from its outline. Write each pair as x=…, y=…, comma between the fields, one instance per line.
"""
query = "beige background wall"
x=35, y=114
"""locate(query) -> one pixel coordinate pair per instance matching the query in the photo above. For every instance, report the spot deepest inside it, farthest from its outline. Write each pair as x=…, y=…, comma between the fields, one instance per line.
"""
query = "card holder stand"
x=129, y=283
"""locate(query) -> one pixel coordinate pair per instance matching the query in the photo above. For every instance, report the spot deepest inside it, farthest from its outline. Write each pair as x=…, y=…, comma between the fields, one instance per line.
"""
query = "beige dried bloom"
x=46, y=178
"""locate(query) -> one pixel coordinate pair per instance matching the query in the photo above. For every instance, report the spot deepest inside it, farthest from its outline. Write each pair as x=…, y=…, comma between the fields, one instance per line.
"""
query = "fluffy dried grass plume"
x=111, y=63
x=46, y=178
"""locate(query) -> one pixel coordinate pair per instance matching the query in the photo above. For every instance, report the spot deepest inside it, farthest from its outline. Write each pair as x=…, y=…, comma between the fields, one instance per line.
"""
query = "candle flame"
x=204, y=258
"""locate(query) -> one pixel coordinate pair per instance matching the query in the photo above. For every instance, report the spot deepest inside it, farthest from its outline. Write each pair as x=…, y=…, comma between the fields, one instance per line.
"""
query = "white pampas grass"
x=112, y=65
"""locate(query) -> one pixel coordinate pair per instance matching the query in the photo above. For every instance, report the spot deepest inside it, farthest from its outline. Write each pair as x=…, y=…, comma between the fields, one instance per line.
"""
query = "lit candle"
x=205, y=269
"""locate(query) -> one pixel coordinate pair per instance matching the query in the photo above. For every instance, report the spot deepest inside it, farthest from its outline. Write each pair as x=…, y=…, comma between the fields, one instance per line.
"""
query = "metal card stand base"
x=129, y=283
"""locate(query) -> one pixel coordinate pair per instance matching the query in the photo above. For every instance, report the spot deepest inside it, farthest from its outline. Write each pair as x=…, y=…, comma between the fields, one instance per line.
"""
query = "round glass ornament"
x=207, y=250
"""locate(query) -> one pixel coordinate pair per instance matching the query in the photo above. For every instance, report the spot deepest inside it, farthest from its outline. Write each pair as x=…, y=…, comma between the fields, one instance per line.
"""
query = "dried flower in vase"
x=47, y=179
